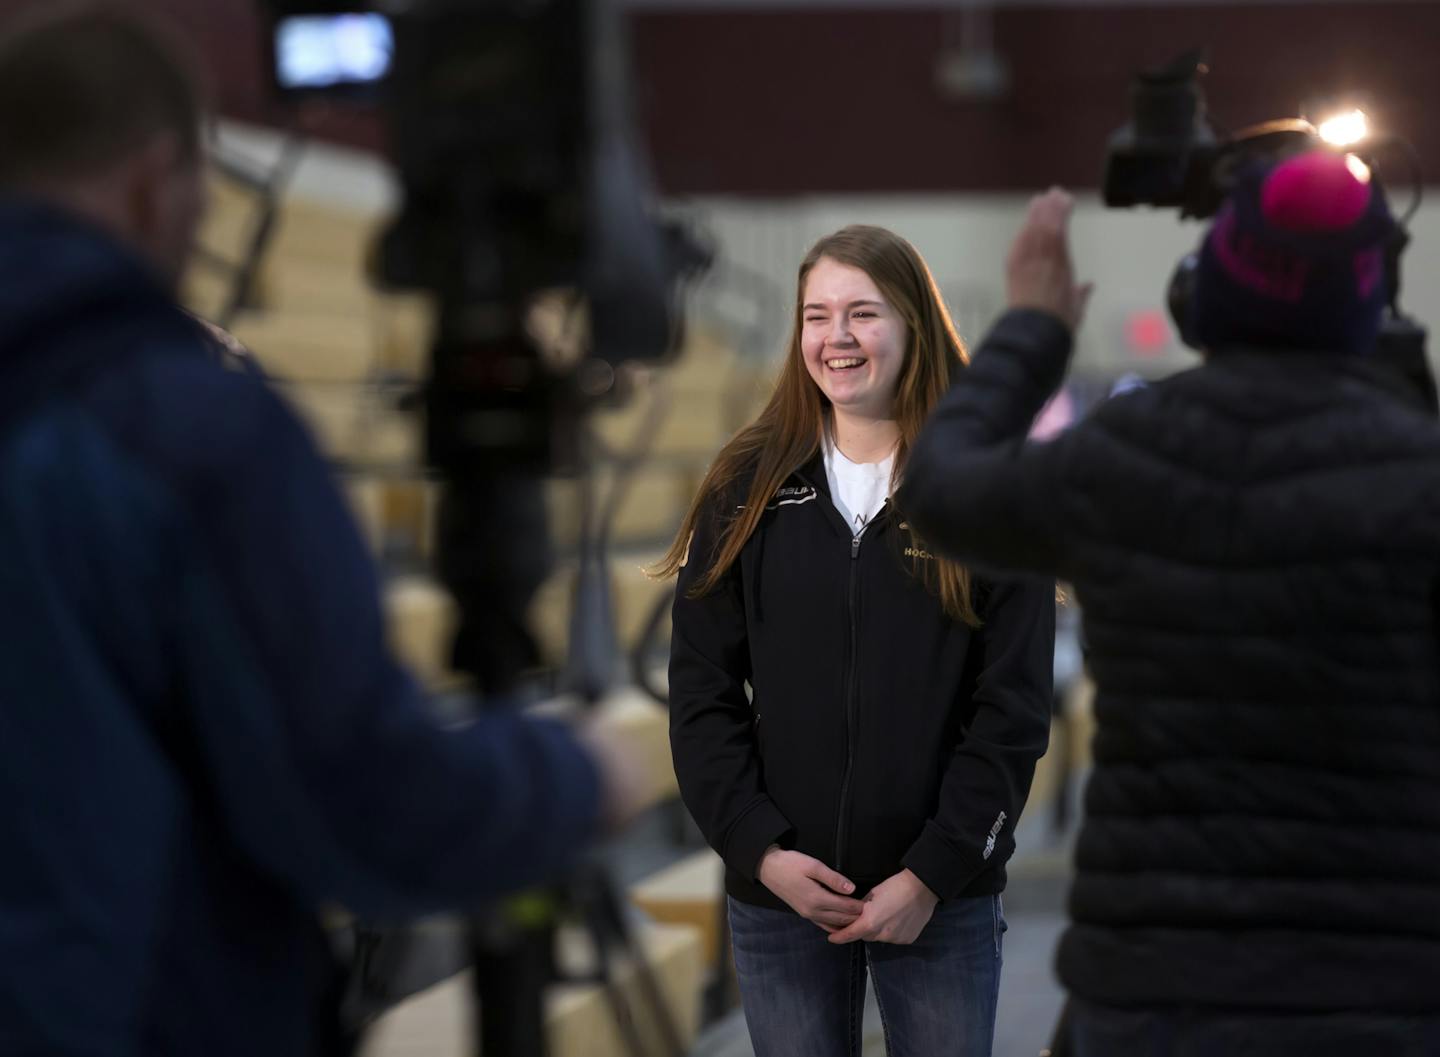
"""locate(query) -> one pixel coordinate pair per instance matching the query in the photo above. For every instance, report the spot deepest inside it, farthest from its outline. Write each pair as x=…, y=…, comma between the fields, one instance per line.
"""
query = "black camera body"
x=508, y=123
x=1169, y=156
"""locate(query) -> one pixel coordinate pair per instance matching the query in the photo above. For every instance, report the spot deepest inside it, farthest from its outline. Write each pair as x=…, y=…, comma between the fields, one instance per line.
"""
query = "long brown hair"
x=788, y=432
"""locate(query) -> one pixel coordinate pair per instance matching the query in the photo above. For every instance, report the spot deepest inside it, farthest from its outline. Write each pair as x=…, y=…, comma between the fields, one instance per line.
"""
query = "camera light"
x=1343, y=130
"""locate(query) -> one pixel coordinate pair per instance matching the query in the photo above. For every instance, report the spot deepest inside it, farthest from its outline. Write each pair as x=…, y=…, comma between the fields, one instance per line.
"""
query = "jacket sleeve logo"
x=994, y=832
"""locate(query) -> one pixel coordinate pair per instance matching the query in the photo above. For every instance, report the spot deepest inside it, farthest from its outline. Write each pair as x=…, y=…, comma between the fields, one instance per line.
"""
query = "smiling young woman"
x=864, y=793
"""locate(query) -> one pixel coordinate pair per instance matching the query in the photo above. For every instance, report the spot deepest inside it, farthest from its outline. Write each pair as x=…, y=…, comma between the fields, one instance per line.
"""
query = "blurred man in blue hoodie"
x=202, y=736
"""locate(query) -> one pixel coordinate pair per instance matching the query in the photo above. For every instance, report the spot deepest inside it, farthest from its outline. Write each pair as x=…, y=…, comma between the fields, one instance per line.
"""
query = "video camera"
x=1169, y=156
x=508, y=123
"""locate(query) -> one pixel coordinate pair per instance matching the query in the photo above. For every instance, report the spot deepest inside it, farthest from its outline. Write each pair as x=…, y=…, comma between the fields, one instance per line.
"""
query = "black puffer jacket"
x=882, y=734
x=1256, y=544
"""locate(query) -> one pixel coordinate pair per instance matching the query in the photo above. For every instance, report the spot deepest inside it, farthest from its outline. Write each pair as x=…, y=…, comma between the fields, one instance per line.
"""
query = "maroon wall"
x=769, y=100
x=844, y=100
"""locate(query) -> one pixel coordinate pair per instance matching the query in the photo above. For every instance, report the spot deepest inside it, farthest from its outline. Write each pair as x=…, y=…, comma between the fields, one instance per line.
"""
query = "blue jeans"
x=1111, y=1031
x=804, y=996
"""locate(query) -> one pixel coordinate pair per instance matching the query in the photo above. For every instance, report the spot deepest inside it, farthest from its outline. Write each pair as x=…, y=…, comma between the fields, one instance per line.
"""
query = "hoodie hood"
x=72, y=300
x=56, y=269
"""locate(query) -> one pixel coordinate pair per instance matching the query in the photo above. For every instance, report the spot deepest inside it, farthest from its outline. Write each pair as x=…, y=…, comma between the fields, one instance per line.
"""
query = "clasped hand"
x=894, y=911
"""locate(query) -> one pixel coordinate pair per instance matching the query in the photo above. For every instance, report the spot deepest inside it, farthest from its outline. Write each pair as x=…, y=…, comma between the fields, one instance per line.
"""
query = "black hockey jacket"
x=882, y=734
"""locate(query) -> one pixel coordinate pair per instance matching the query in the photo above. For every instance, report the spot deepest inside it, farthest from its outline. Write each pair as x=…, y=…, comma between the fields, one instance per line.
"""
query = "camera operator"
x=202, y=735
x=1256, y=545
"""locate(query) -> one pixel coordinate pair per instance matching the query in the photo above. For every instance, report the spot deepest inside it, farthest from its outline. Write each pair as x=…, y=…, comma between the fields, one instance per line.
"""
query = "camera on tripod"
x=1169, y=156
x=521, y=187
x=508, y=123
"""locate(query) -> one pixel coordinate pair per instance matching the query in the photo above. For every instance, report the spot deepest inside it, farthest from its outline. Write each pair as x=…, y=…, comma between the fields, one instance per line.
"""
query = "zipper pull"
x=855, y=547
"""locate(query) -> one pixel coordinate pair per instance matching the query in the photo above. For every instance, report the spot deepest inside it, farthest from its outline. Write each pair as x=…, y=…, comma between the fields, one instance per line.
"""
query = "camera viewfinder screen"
x=323, y=51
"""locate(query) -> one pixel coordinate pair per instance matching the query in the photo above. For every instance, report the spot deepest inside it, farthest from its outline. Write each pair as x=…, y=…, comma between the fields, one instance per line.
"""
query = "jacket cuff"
x=946, y=870
x=1046, y=327
x=752, y=833
x=1042, y=341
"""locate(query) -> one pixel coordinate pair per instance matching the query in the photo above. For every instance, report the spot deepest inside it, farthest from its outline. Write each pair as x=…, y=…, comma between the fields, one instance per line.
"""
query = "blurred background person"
x=202, y=733
x=1256, y=546
x=865, y=800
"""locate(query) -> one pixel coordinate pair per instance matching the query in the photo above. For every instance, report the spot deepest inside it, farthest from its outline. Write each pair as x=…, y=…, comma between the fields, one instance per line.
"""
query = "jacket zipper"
x=852, y=703
x=851, y=708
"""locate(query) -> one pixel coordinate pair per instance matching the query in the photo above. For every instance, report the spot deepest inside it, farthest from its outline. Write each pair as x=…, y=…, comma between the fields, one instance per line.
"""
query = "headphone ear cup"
x=1181, y=299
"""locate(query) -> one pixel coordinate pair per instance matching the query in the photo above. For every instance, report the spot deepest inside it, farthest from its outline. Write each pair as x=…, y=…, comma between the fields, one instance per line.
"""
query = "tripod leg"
x=624, y=1019
x=605, y=920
